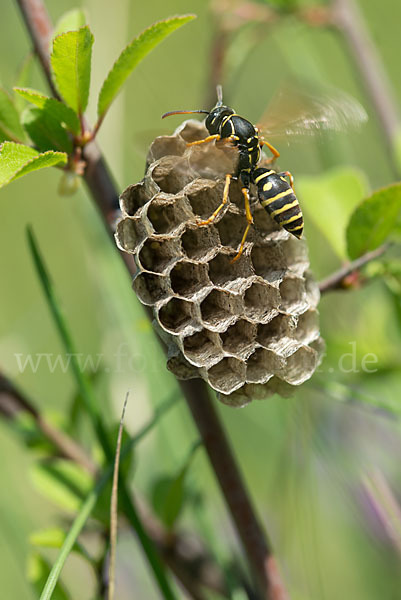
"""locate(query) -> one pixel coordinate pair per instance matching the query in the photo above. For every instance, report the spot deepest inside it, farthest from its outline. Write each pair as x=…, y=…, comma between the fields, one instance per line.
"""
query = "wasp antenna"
x=219, y=91
x=184, y=112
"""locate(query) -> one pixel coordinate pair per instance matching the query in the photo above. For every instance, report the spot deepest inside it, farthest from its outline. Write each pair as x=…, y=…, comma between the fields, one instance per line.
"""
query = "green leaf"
x=53, y=537
x=329, y=199
x=45, y=131
x=10, y=127
x=62, y=482
x=59, y=111
x=38, y=574
x=374, y=220
x=70, y=21
x=132, y=55
x=71, y=65
x=169, y=493
x=17, y=160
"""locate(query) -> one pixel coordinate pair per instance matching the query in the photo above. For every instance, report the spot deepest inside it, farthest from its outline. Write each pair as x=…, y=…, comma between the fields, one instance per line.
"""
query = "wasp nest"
x=248, y=328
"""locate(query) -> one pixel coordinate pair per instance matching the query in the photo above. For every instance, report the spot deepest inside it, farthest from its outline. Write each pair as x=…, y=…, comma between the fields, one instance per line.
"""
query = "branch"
x=338, y=279
x=104, y=193
x=191, y=566
x=13, y=402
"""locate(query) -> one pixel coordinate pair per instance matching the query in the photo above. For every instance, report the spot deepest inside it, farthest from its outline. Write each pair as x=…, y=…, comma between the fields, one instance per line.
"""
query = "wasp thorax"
x=249, y=328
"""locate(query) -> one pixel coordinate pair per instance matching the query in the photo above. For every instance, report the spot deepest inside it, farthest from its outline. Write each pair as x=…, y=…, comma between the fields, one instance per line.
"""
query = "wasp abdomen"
x=278, y=198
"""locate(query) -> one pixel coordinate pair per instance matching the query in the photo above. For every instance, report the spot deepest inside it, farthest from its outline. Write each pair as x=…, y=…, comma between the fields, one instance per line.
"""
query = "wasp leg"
x=272, y=149
x=218, y=209
x=249, y=219
x=231, y=138
x=210, y=138
x=290, y=177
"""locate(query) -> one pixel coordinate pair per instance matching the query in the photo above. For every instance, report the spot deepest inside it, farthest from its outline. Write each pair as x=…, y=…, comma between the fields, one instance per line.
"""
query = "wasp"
x=277, y=196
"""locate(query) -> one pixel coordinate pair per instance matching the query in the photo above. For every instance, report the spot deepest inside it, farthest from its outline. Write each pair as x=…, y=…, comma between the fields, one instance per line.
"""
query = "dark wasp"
x=296, y=113
x=224, y=124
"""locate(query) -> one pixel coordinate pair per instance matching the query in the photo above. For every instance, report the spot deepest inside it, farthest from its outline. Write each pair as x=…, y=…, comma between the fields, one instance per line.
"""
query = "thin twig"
x=192, y=566
x=350, y=23
x=248, y=527
x=13, y=402
x=114, y=508
x=336, y=281
x=103, y=191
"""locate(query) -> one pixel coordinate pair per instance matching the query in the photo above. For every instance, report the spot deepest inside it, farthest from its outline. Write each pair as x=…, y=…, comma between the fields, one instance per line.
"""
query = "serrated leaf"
x=10, y=127
x=38, y=573
x=62, y=482
x=373, y=220
x=132, y=55
x=329, y=199
x=17, y=160
x=70, y=21
x=71, y=66
x=62, y=113
x=45, y=131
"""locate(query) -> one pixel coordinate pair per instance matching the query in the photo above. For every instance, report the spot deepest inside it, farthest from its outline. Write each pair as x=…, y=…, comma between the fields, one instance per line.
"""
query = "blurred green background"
x=305, y=459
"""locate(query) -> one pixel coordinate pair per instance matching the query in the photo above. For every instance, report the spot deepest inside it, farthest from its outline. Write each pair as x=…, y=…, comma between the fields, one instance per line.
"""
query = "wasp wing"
x=297, y=111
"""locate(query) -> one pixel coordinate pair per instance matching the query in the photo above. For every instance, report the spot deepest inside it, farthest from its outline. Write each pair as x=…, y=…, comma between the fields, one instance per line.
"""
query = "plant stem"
x=350, y=23
x=336, y=280
x=104, y=193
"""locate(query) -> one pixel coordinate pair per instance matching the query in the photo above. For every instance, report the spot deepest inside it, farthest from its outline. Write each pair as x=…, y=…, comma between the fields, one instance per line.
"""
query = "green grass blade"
x=90, y=502
x=132, y=55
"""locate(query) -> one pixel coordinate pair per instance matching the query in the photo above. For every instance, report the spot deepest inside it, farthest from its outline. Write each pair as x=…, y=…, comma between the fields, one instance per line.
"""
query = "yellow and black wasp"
x=305, y=114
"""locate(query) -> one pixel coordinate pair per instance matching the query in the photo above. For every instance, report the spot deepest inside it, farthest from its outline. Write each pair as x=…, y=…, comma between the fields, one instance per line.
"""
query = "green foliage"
x=10, y=127
x=62, y=482
x=71, y=20
x=374, y=220
x=48, y=538
x=169, y=493
x=38, y=574
x=45, y=131
x=17, y=160
x=132, y=55
x=52, y=107
x=329, y=199
x=71, y=65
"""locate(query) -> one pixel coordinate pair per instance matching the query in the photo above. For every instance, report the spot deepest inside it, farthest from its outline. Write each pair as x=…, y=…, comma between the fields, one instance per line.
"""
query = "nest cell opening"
x=219, y=309
x=265, y=224
x=300, y=366
x=269, y=261
x=231, y=229
x=262, y=365
x=133, y=198
x=151, y=288
x=239, y=339
x=261, y=302
x=129, y=233
x=202, y=349
x=204, y=197
x=166, y=145
x=188, y=278
x=296, y=254
x=177, y=315
x=227, y=376
x=192, y=131
x=293, y=296
x=198, y=242
x=166, y=217
x=308, y=327
x=224, y=273
x=157, y=255
x=172, y=174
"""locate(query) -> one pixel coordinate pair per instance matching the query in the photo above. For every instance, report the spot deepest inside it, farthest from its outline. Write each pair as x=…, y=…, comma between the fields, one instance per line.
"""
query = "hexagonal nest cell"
x=249, y=327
